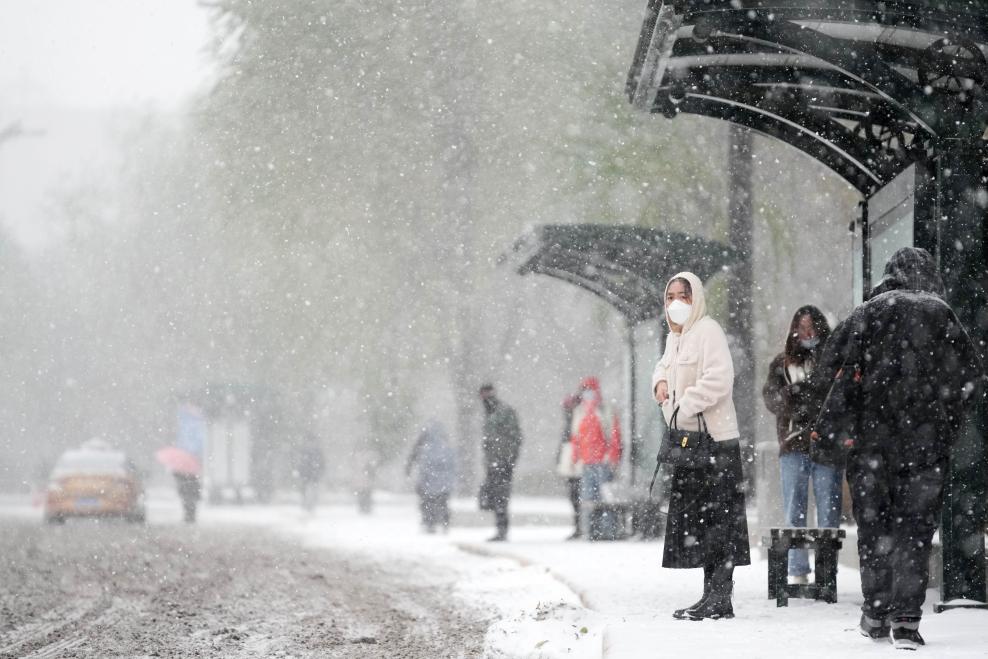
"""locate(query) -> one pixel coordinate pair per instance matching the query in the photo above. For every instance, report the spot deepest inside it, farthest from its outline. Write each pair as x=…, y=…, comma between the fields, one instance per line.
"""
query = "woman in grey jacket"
x=706, y=526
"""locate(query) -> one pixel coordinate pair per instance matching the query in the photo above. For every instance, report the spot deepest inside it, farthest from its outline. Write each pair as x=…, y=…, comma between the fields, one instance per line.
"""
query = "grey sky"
x=71, y=69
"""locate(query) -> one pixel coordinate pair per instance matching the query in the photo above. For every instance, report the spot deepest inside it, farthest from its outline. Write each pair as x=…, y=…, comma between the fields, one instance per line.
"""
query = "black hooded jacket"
x=919, y=367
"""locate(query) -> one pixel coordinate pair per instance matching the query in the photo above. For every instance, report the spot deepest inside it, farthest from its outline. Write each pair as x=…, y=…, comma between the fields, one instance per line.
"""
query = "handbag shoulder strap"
x=654, y=475
x=702, y=421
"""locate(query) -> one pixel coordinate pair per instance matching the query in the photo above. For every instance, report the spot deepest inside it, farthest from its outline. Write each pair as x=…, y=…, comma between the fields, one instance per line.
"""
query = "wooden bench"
x=825, y=543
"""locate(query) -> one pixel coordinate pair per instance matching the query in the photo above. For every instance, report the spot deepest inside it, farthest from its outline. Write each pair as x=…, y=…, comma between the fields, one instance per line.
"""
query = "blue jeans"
x=594, y=475
x=797, y=473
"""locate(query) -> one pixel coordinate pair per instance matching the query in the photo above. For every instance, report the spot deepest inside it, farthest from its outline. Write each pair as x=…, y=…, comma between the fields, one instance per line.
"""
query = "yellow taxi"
x=94, y=481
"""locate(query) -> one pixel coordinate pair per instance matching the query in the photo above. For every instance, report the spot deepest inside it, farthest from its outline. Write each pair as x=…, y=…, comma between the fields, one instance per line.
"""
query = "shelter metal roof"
x=865, y=86
x=628, y=266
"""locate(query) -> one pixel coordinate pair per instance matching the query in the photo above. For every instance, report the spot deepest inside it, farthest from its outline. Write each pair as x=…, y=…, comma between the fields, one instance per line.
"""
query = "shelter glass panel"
x=891, y=220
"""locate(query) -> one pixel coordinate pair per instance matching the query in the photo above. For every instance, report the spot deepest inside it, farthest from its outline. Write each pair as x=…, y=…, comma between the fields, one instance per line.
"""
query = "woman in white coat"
x=706, y=526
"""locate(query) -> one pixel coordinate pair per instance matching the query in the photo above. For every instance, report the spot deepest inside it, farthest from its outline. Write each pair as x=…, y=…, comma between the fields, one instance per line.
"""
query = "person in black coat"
x=918, y=369
x=500, y=443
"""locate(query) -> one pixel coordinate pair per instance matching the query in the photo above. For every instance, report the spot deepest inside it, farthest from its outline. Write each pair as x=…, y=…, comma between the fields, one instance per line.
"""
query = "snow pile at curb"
x=562, y=630
x=538, y=616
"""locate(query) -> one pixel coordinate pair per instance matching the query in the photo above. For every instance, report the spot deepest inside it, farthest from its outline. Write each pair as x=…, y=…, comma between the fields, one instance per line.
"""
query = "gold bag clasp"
x=684, y=442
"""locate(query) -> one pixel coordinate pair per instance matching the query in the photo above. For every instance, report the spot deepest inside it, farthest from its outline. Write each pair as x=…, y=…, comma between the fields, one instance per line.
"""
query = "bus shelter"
x=892, y=97
x=627, y=267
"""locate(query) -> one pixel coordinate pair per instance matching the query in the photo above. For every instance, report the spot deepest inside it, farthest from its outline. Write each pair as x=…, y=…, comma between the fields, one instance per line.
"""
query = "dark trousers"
x=435, y=510
x=897, y=510
x=501, y=521
x=574, y=498
x=499, y=493
x=189, y=488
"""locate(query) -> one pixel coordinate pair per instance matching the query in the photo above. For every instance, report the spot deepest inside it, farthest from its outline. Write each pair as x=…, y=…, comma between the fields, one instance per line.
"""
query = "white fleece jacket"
x=697, y=365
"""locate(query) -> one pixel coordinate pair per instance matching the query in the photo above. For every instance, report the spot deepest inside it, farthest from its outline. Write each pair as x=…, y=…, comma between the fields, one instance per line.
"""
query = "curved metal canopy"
x=866, y=87
x=628, y=266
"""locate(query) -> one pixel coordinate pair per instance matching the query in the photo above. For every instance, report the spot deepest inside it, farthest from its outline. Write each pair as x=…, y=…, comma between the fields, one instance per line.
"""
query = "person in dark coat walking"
x=309, y=468
x=500, y=443
x=436, y=463
x=706, y=526
x=189, y=491
x=796, y=405
x=918, y=369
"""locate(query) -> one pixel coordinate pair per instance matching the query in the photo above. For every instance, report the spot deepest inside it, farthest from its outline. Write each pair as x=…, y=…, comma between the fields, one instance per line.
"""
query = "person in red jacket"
x=596, y=438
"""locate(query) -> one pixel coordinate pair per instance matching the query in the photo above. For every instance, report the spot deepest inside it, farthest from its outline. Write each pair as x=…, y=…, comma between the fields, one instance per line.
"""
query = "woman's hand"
x=662, y=392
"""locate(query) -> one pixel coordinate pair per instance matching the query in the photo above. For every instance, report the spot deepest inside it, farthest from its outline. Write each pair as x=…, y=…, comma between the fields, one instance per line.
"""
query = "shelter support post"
x=633, y=440
x=960, y=200
x=740, y=165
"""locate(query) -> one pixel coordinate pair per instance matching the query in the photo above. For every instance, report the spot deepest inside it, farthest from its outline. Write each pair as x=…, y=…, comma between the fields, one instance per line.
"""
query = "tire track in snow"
x=64, y=628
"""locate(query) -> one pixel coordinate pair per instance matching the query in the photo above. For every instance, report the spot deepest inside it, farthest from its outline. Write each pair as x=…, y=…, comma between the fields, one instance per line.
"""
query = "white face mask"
x=679, y=312
x=811, y=343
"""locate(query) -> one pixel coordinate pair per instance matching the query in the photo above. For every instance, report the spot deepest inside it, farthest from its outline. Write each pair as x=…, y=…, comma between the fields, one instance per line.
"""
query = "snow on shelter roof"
x=628, y=266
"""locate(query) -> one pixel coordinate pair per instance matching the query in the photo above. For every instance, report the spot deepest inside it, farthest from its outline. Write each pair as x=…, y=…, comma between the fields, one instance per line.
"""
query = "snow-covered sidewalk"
x=552, y=598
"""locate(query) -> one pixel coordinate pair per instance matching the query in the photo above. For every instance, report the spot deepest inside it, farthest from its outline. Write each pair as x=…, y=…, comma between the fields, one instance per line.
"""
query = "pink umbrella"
x=178, y=461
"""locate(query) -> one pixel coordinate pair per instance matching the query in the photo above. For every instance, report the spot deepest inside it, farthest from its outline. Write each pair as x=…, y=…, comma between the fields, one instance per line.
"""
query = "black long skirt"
x=706, y=524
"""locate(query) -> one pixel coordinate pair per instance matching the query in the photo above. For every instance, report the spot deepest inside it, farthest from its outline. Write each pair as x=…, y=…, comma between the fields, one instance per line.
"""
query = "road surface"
x=110, y=589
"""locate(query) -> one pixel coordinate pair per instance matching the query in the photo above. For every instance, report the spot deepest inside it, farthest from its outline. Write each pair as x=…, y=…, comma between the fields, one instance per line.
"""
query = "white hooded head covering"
x=699, y=300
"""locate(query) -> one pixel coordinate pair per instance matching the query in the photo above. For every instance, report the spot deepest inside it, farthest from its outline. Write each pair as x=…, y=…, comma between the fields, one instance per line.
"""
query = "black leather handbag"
x=689, y=449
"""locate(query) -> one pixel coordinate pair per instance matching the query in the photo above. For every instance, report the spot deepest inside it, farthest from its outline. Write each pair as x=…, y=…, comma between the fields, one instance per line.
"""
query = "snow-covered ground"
x=549, y=591
x=551, y=598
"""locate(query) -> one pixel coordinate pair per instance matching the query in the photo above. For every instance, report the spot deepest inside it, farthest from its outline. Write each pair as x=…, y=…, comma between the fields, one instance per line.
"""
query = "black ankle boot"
x=683, y=614
x=717, y=605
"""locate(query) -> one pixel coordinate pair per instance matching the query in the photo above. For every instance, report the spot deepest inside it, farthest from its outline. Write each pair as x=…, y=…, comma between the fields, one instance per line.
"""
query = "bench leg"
x=825, y=567
x=778, y=568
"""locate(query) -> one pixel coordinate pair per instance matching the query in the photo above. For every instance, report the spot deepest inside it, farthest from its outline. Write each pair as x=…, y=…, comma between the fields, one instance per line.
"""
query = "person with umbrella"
x=185, y=468
x=189, y=490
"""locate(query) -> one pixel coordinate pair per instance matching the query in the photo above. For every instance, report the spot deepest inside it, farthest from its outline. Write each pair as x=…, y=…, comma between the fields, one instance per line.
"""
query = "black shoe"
x=906, y=638
x=718, y=588
x=717, y=605
x=874, y=628
x=714, y=607
x=683, y=614
x=500, y=537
